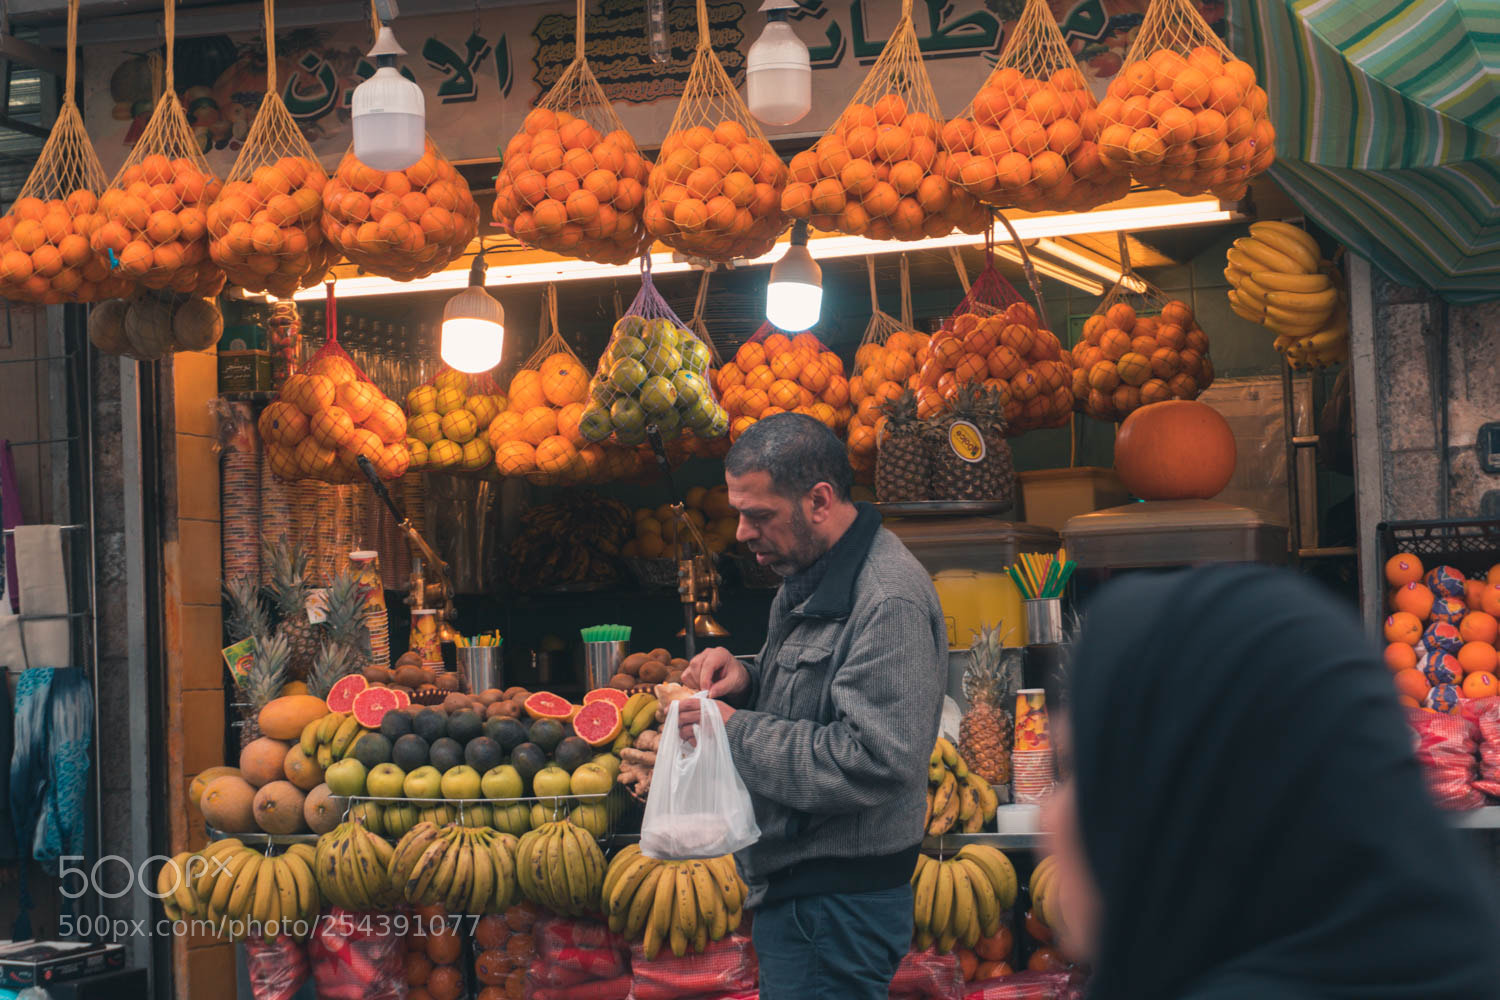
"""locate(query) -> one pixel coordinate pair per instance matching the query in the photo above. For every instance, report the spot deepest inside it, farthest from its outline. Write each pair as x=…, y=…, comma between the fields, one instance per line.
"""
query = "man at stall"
x=831, y=725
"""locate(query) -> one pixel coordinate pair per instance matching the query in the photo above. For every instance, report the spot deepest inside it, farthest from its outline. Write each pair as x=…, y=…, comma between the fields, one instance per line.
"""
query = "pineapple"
x=987, y=729
x=290, y=586
x=333, y=662
x=344, y=624
x=902, y=463
x=247, y=612
x=992, y=477
x=263, y=682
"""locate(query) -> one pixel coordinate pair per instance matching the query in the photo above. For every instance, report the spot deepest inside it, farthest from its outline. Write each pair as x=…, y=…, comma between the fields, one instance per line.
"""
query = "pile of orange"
x=1031, y=143
x=715, y=193
x=1442, y=634
x=45, y=255
x=881, y=372
x=326, y=418
x=537, y=436
x=567, y=189
x=1007, y=350
x=403, y=224
x=267, y=230
x=880, y=173
x=781, y=374
x=155, y=225
x=1126, y=360
x=1190, y=122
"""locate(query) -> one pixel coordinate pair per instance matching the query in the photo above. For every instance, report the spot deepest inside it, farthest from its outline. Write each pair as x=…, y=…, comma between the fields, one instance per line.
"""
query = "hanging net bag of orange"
x=572, y=180
x=775, y=372
x=266, y=225
x=1183, y=112
x=155, y=229
x=1140, y=346
x=715, y=191
x=879, y=170
x=45, y=256
x=889, y=355
x=329, y=415
x=1029, y=139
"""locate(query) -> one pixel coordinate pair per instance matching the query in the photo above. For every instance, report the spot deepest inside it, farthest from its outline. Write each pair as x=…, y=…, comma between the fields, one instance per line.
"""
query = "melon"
x=598, y=723
x=545, y=705
x=278, y=807
x=302, y=770
x=1175, y=450
x=612, y=695
x=195, y=790
x=285, y=718
x=228, y=804
x=371, y=704
x=263, y=761
x=322, y=810
x=341, y=696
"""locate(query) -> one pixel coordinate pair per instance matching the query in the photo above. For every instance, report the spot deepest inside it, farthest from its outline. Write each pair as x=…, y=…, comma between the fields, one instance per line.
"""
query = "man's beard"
x=807, y=548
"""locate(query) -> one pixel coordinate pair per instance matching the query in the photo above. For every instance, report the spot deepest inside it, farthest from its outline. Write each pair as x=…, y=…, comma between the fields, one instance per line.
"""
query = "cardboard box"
x=244, y=371
x=28, y=963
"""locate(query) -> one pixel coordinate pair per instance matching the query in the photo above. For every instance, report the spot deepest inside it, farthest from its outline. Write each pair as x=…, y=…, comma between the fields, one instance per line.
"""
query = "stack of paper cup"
x=365, y=565
x=1032, y=763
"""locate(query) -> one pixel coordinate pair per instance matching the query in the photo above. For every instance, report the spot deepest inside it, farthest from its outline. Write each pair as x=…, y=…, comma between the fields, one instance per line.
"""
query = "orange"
x=526, y=391
x=1479, y=626
x=1478, y=656
x=555, y=454
x=1412, y=684
x=1400, y=656
x=1480, y=684
x=1403, y=627
x=1415, y=598
x=1403, y=568
x=514, y=458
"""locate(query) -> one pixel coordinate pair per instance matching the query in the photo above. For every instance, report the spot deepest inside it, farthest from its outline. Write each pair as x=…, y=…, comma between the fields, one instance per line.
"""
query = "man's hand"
x=690, y=713
x=717, y=672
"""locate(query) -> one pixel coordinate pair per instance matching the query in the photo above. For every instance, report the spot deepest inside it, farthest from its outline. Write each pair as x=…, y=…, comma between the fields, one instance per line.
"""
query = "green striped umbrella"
x=1387, y=120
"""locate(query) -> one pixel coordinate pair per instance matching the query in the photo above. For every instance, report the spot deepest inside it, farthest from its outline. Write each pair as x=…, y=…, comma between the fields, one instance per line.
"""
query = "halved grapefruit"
x=614, y=696
x=341, y=696
x=545, y=705
x=598, y=723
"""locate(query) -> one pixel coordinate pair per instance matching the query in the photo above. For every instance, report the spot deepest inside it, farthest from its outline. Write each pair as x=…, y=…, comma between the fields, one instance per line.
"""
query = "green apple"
x=591, y=779
x=610, y=763
x=690, y=387
x=346, y=777
x=592, y=817
x=461, y=782
x=514, y=819
x=661, y=333
x=627, y=416
x=384, y=781
x=695, y=356
x=503, y=782
x=700, y=415
x=628, y=328
x=661, y=359
x=628, y=346
x=627, y=374
x=669, y=424
x=658, y=395
x=549, y=783
x=595, y=424
x=603, y=392
x=425, y=782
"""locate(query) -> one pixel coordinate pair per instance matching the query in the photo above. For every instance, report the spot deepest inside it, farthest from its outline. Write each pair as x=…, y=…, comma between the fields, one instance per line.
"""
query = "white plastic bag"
x=698, y=807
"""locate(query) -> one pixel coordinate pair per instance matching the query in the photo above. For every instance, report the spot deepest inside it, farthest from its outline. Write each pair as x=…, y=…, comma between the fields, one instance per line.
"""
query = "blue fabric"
x=833, y=947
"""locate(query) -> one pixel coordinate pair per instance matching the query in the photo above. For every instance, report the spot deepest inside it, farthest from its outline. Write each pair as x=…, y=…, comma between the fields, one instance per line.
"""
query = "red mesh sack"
x=715, y=190
x=725, y=967
x=573, y=181
x=504, y=948
x=1029, y=139
x=352, y=960
x=448, y=418
x=1025, y=986
x=577, y=958
x=155, y=229
x=1183, y=112
x=777, y=373
x=45, y=255
x=330, y=414
x=277, y=969
x=878, y=171
x=929, y=975
x=1486, y=714
x=1139, y=347
x=599, y=989
x=266, y=225
x=1447, y=748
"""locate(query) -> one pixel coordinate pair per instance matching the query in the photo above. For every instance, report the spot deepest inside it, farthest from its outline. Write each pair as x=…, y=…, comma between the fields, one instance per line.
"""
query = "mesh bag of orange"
x=573, y=181
x=887, y=360
x=447, y=420
x=715, y=190
x=1183, y=112
x=1140, y=346
x=995, y=337
x=155, y=229
x=329, y=415
x=879, y=171
x=1029, y=139
x=45, y=256
x=266, y=225
x=774, y=372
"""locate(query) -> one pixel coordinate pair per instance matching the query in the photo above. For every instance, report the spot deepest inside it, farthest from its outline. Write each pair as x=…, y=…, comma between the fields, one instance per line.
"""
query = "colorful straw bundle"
x=605, y=633
x=1042, y=575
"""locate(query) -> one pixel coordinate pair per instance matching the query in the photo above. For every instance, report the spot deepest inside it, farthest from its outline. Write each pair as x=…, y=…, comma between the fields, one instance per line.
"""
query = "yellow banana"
x=944, y=792
x=942, y=901
x=265, y=890
x=1289, y=240
x=985, y=903
x=1268, y=257
x=924, y=895
x=711, y=910
x=687, y=905
x=243, y=895
x=617, y=868
x=642, y=903
x=1276, y=281
x=728, y=878
x=659, y=924
x=997, y=868
x=1314, y=303
x=950, y=752
x=943, y=822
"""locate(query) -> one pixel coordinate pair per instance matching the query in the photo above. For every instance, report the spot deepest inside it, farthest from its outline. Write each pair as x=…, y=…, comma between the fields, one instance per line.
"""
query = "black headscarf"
x=1251, y=808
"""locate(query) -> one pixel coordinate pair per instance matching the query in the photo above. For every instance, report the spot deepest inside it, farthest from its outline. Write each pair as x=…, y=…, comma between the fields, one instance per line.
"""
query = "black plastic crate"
x=1471, y=547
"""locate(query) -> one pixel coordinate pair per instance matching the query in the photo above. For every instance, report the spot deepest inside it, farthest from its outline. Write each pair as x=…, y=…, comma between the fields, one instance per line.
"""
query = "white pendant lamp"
x=389, y=113
x=778, y=69
x=473, y=326
x=794, y=295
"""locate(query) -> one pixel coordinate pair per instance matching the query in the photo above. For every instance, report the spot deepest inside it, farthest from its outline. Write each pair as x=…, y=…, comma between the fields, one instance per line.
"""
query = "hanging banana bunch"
x=1279, y=279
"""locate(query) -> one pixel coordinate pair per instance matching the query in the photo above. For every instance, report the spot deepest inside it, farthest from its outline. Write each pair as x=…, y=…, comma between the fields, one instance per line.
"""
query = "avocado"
x=483, y=753
x=372, y=749
x=410, y=752
x=395, y=725
x=464, y=726
x=430, y=724
x=446, y=753
x=572, y=753
x=547, y=734
x=528, y=759
x=509, y=733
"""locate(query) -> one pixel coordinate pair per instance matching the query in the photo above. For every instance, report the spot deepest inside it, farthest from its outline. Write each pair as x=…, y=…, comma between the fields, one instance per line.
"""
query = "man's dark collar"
x=833, y=596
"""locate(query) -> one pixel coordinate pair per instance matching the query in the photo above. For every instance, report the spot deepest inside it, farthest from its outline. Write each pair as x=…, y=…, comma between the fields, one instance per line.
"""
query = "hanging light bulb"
x=794, y=295
x=389, y=113
x=778, y=69
x=473, y=326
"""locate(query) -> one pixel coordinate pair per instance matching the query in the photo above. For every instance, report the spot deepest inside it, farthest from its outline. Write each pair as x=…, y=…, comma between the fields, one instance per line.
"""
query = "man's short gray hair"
x=796, y=451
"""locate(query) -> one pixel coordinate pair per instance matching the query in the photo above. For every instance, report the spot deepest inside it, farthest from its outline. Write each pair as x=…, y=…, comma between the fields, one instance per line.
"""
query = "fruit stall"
x=471, y=402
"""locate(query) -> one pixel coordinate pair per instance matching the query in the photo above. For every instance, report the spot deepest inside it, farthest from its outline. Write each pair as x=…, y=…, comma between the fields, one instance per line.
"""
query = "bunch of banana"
x=241, y=890
x=574, y=539
x=956, y=796
x=560, y=866
x=331, y=737
x=467, y=869
x=639, y=713
x=1280, y=281
x=962, y=899
x=351, y=865
x=680, y=903
x=1043, y=898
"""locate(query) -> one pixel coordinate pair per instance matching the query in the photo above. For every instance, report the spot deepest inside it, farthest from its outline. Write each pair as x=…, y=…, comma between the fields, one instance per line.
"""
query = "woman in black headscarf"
x=1246, y=818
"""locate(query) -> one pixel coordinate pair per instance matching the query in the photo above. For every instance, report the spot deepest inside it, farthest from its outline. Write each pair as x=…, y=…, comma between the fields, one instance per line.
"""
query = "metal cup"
x=603, y=660
x=479, y=668
x=1044, y=621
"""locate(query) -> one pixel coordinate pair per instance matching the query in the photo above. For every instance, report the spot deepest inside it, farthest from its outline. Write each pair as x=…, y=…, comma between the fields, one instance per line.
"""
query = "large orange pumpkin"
x=1175, y=450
